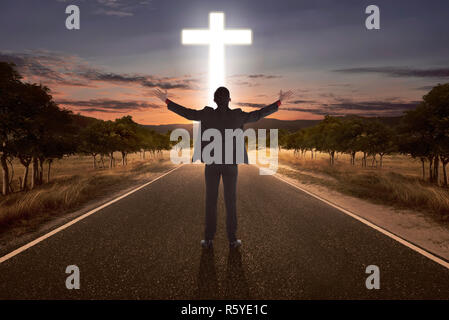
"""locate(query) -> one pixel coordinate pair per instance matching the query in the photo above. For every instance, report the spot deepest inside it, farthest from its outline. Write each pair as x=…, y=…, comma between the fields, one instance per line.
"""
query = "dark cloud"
x=33, y=65
x=118, y=8
x=250, y=105
x=69, y=70
x=400, y=71
x=343, y=85
x=301, y=101
x=318, y=111
x=167, y=85
x=363, y=108
x=144, y=80
x=375, y=106
x=108, y=105
x=425, y=88
x=97, y=75
x=88, y=110
x=263, y=76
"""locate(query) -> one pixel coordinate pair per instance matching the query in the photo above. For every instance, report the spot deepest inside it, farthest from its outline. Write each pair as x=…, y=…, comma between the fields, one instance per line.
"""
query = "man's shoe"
x=235, y=244
x=207, y=244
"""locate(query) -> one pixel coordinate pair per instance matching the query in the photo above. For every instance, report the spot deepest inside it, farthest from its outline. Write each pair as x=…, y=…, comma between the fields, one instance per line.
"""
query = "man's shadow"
x=235, y=283
x=207, y=277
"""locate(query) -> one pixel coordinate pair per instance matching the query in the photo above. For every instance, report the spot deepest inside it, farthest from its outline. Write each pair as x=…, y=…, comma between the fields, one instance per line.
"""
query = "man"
x=221, y=119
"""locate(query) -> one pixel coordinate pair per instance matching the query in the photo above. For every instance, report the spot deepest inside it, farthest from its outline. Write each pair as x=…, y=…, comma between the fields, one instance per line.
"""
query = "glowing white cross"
x=216, y=37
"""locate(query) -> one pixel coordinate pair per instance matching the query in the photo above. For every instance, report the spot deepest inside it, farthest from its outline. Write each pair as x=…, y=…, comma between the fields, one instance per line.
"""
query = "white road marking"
x=68, y=224
x=372, y=225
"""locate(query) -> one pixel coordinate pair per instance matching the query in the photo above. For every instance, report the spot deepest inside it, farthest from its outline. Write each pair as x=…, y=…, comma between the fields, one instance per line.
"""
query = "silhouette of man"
x=221, y=118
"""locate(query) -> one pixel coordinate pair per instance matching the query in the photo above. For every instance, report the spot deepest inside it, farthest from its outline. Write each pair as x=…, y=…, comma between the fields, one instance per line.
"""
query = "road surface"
x=147, y=246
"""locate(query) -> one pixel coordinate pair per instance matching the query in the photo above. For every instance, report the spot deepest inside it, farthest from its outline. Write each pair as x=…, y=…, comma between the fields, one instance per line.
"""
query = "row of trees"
x=422, y=133
x=34, y=131
x=344, y=135
x=104, y=138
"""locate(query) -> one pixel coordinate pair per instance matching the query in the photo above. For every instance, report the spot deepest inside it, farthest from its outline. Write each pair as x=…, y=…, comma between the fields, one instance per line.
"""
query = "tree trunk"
x=430, y=158
x=423, y=169
x=332, y=154
x=381, y=160
x=95, y=160
x=41, y=170
x=123, y=159
x=436, y=169
x=431, y=171
x=444, y=172
x=111, y=159
x=364, y=160
x=49, y=168
x=33, y=172
x=11, y=176
x=23, y=184
x=5, y=175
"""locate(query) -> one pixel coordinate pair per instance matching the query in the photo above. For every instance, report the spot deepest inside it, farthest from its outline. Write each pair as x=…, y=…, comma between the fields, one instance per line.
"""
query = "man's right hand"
x=284, y=95
x=158, y=93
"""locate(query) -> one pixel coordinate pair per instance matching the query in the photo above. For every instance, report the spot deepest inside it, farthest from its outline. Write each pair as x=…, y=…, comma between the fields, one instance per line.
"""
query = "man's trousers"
x=213, y=172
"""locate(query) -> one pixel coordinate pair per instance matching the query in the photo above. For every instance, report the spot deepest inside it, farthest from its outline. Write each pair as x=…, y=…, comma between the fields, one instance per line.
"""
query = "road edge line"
x=77, y=219
x=389, y=234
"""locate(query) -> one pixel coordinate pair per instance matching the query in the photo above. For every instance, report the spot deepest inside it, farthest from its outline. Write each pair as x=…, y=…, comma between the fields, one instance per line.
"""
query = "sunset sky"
x=319, y=49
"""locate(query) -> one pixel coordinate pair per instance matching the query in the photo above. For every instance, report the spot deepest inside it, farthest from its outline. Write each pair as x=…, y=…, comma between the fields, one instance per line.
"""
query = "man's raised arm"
x=254, y=116
x=187, y=113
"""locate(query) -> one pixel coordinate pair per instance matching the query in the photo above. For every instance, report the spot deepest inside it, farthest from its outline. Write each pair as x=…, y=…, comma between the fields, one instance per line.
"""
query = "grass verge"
x=396, y=184
x=21, y=212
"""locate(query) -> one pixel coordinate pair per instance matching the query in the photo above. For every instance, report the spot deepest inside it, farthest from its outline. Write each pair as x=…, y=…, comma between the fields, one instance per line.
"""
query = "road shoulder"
x=13, y=239
x=410, y=225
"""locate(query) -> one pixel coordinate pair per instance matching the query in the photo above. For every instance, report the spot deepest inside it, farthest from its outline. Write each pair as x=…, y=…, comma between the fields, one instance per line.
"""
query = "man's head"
x=222, y=97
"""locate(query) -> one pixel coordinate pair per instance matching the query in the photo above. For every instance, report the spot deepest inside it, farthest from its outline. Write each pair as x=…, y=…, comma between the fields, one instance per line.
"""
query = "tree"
x=92, y=141
x=436, y=103
x=126, y=130
x=424, y=132
x=328, y=136
x=379, y=140
x=47, y=130
x=111, y=140
x=10, y=107
x=351, y=130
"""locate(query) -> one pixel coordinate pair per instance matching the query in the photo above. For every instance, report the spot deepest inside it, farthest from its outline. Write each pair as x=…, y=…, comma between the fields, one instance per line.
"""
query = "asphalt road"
x=146, y=246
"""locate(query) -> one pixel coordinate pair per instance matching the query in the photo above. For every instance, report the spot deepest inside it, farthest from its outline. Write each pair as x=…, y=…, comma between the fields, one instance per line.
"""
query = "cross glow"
x=216, y=37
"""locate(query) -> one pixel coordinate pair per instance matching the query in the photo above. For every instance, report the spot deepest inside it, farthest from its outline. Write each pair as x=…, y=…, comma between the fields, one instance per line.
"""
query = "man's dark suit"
x=221, y=119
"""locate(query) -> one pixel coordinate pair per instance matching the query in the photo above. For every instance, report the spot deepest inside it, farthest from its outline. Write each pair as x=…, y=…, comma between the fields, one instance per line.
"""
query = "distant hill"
x=290, y=125
x=83, y=121
x=163, y=128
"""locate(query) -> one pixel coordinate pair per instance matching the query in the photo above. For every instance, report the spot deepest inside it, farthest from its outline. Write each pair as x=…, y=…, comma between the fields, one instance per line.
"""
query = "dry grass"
x=74, y=183
x=398, y=183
